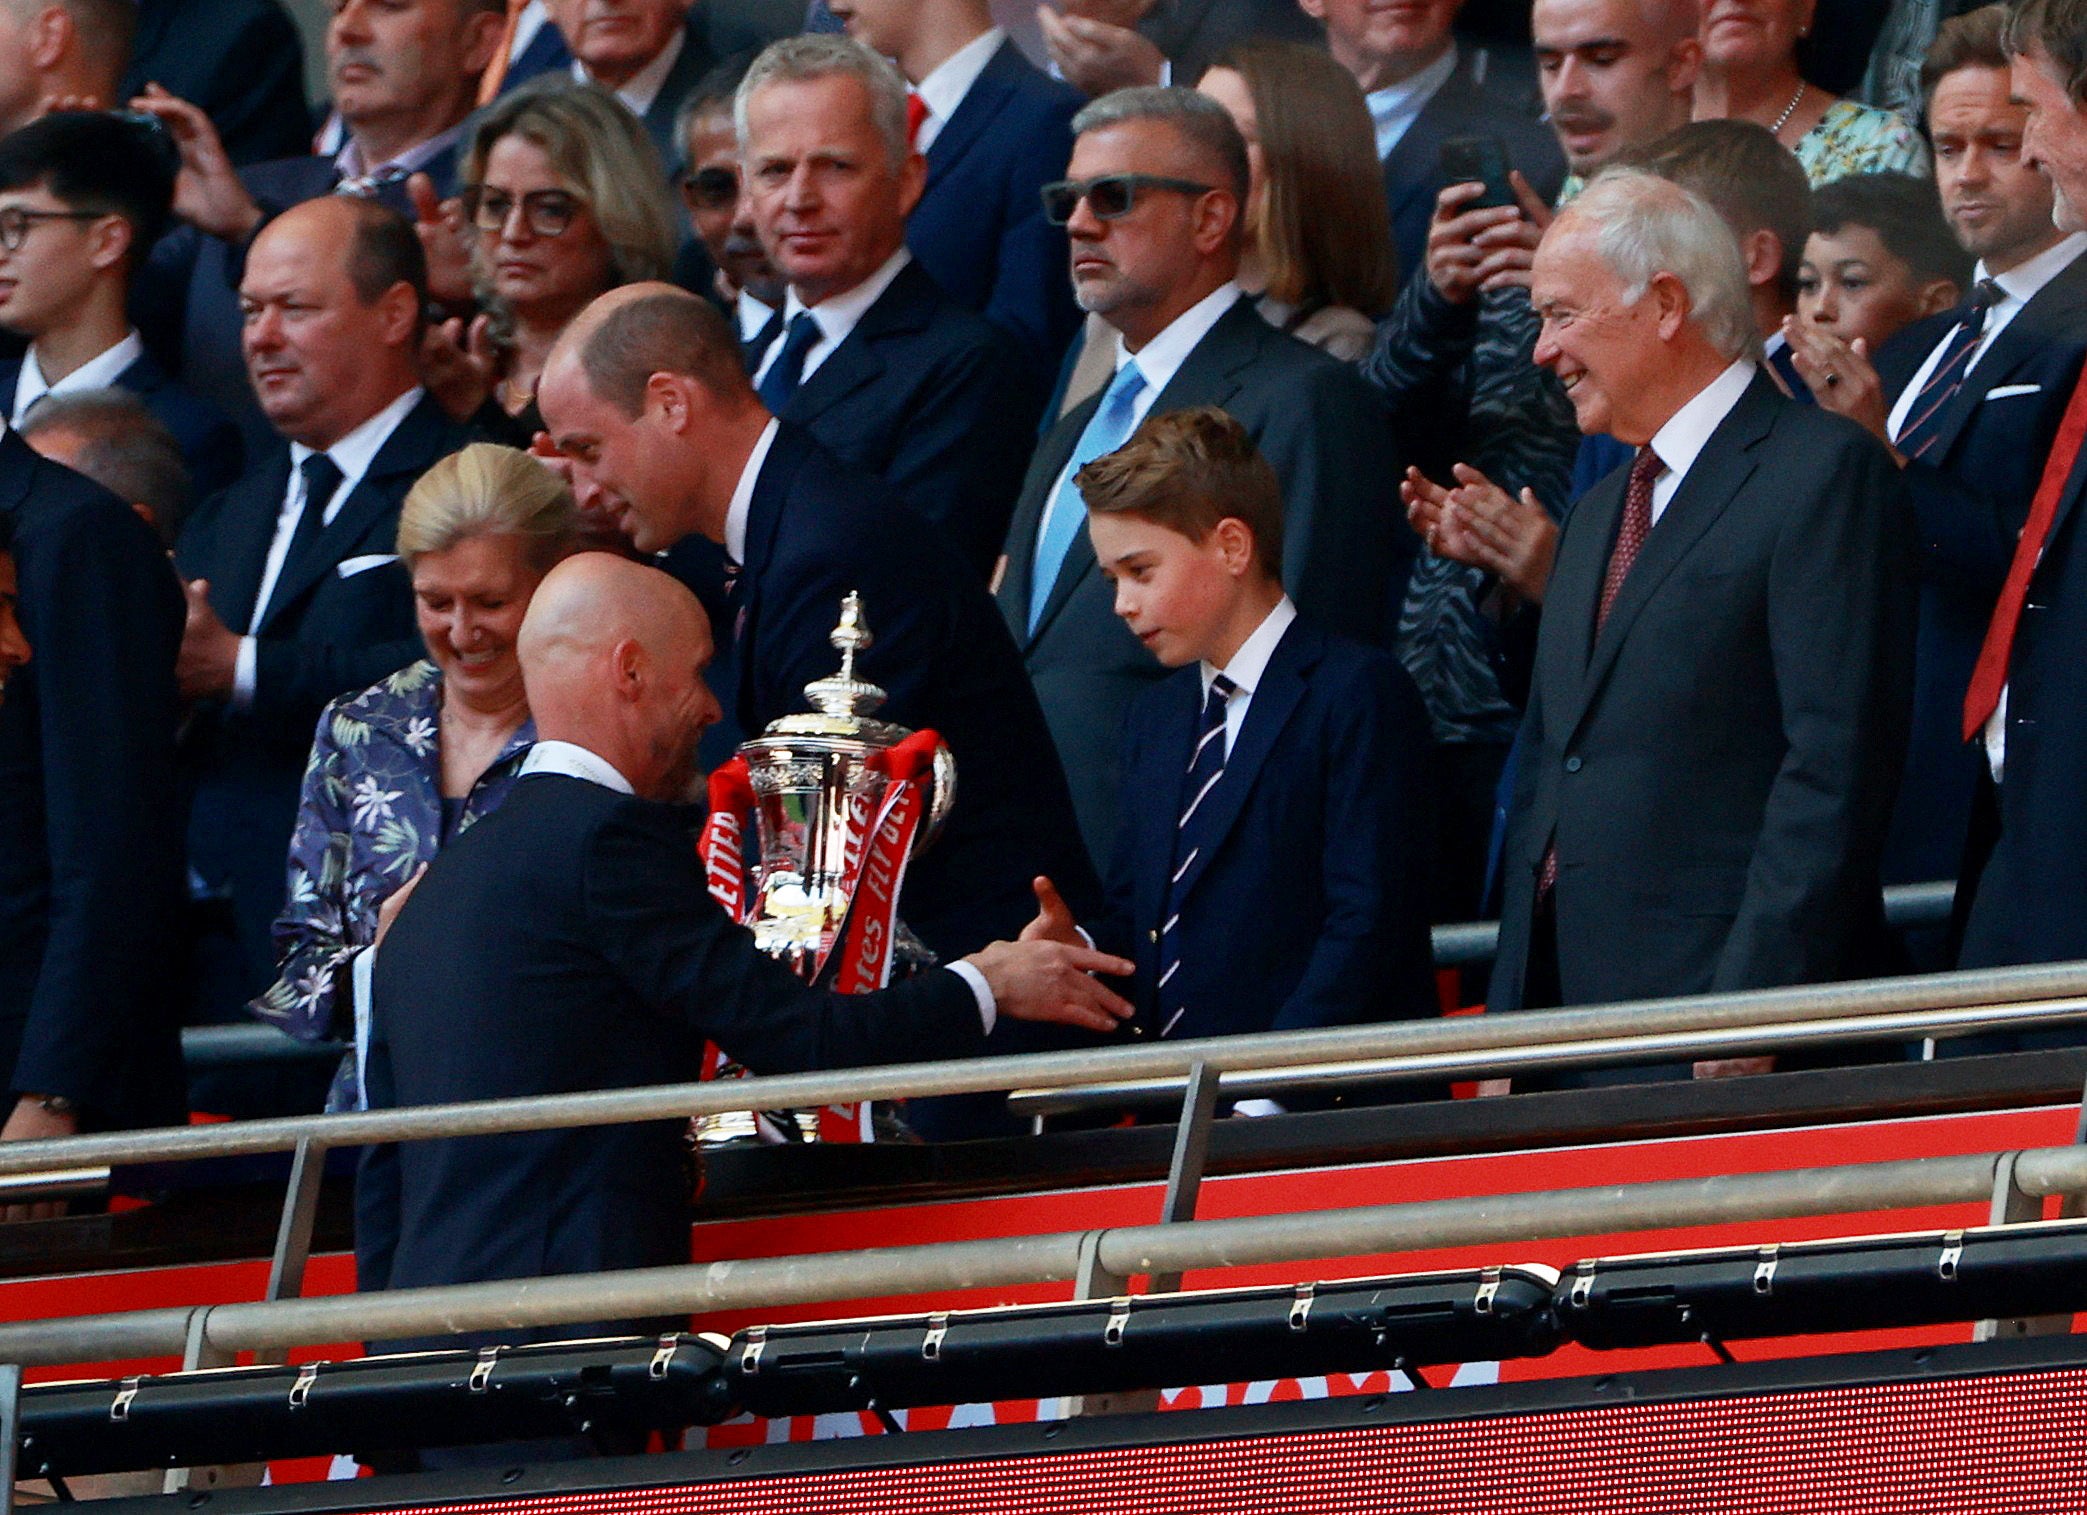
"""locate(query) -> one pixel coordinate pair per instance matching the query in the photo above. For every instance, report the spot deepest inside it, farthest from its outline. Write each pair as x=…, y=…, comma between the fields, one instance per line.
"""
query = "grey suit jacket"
x=1717, y=767
x=1346, y=548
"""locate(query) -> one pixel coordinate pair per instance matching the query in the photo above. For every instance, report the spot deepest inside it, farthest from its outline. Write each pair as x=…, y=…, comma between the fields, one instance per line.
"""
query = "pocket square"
x=349, y=567
x=2004, y=391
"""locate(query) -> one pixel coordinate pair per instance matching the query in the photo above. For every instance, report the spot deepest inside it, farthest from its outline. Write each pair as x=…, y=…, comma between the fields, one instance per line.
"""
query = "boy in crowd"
x=1880, y=257
x=1273, y=835
x=83, y=196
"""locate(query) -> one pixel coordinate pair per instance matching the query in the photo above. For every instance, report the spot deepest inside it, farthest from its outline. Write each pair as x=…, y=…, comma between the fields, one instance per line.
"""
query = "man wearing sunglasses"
x=721, y=216
x=1152, y=204
x=994, y=129
x=868, y=353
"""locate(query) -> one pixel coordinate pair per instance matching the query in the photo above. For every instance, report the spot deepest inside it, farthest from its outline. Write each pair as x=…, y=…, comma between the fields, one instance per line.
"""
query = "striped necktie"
x=1923, y=428
x=1206, y=765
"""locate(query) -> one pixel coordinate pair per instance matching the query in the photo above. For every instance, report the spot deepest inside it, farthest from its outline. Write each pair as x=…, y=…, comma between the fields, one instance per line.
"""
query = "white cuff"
x=243, y=673
x=988, y=1011
x=361, y=970
x=1258, y=1107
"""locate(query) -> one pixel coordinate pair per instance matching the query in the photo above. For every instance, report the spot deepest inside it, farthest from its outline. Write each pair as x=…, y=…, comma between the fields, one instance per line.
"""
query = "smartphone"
x=1479, y=160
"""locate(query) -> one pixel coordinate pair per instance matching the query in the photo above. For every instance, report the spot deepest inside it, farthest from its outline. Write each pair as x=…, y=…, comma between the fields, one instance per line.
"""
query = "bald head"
x=621, y=340
x=612, y=655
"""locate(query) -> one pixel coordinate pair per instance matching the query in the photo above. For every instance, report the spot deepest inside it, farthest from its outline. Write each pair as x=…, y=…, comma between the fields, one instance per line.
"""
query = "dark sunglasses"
x=548, y=212
x=710, y=188
x=1108, y=196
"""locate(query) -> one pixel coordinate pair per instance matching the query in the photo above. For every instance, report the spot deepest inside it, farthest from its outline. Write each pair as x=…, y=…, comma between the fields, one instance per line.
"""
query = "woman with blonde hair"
x=564, y=199
x=1318, y=252
x=405, y=765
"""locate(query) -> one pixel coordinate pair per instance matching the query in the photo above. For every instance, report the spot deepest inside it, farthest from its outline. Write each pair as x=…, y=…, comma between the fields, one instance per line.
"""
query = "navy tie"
x=1206, y=765
x=780, y=382
x=1923, y=428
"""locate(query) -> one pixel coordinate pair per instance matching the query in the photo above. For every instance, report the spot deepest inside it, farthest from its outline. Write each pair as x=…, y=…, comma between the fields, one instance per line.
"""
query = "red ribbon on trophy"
x=873, y=913
x=721, y=847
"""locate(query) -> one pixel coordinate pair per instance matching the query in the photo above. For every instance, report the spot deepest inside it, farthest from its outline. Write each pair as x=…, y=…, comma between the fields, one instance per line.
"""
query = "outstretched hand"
x=1054, y=918
x=1051, y=981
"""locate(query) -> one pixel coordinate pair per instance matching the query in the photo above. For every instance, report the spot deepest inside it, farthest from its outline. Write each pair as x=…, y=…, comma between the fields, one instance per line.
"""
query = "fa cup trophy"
x=841, y=802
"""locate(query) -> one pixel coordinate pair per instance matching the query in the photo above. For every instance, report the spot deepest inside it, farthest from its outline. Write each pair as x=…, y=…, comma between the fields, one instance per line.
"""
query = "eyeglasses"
x=547, y=212
x=1109, y=196
x=16, y=222
x=711, y=188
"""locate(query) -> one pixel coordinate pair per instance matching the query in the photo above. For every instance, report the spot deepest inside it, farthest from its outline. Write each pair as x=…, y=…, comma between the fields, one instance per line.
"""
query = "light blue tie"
x=1106, y=431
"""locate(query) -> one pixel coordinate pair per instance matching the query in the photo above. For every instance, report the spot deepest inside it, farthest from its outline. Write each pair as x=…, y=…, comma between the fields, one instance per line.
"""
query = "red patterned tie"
x=1990, y=676
x=916, y=112
x=1645, y=470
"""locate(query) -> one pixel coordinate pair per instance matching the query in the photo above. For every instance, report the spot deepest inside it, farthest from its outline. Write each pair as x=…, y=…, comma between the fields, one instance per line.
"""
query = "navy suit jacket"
x=90, y=824
x=564, y=943
x=817, y=529
x=932, y=399
x=341, y=617
x=1462, y=107
x=1305, y=907
x=241, y=62
x=1971, y=493
x=1716, y=769
x=186, y=298
x=1345, y=555
x=210, y=444
x=979, y=229
x=1193, y=32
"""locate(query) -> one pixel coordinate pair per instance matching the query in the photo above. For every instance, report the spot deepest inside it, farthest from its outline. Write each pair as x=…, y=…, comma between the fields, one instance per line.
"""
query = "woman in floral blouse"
x=403, y=766
x=1751, y=72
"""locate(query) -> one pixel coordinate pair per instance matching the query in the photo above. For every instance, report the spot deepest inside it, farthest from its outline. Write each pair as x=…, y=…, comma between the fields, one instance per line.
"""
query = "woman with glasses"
x=564, y=199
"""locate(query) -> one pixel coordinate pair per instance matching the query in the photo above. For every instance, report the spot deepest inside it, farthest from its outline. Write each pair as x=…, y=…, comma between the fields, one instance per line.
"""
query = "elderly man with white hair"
x=1723, y=673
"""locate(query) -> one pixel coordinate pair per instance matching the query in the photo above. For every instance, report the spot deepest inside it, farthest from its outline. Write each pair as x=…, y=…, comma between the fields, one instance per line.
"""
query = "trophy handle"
x=944, y=798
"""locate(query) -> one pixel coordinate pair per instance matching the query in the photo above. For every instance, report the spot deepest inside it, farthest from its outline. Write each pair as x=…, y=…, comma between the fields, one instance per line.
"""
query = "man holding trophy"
x=569, y=941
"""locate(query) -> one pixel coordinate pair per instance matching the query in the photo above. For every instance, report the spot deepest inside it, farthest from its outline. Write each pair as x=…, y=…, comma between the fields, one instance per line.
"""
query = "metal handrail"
x=1270, y=1050
x=769, y=1283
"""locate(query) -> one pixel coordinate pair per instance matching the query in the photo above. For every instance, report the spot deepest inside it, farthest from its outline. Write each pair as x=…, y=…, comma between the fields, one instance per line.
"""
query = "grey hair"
x=1203, y=122
x=821, y=55
x=124, y=448
x=1645, y=226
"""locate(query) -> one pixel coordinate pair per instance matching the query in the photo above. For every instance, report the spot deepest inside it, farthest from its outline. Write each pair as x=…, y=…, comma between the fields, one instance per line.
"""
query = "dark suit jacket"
x=817, y=529
x=979, y=230
x=2028, y=884
x=241, y=62
x=327, y=633
x=1193, y=32
x=1306, y=908
x=186, y=298
x=210, y=444
x=566, y=943
x=90, y=831
x=932, y=399
x=1345, y=557
x=1971, y=493
x=1463, y=107
x=1717, y=768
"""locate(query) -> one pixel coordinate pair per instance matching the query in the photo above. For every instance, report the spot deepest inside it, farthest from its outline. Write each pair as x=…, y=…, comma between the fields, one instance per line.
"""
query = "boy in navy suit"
x=1267, y=873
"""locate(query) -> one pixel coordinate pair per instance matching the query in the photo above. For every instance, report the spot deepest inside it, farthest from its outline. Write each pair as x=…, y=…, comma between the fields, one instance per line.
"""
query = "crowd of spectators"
x=1321, y=468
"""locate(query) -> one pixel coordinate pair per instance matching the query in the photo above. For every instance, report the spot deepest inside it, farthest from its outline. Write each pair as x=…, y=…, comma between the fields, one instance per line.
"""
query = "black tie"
x=1923, y=426
x=780, y=382
x=322, y=476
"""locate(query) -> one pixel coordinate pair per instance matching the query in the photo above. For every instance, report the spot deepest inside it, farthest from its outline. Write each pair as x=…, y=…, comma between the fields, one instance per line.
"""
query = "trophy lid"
x=843, y=694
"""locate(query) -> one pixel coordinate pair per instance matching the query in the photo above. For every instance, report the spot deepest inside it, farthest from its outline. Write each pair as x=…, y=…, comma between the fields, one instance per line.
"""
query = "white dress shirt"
x=98, y=372
x=943, y=90
x=836, y=317
x=753, y=316
x=743, y=493
x=349, y=162
x=1248, y=664
x=2018, y=286
x=1394, y=108
x=1682, y=439
x=642, y=88
x=352, y=455
x=1158, y=360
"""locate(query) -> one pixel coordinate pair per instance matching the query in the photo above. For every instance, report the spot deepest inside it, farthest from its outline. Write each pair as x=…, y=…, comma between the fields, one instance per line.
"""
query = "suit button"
x=1572, y=765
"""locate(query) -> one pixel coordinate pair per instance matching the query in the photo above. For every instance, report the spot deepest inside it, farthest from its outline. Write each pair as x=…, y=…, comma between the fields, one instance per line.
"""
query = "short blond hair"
x=489, y=490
